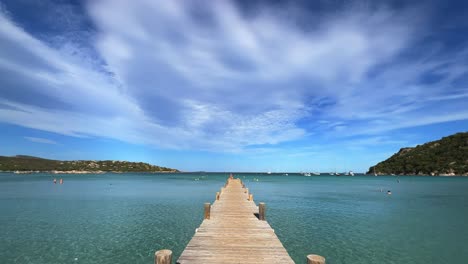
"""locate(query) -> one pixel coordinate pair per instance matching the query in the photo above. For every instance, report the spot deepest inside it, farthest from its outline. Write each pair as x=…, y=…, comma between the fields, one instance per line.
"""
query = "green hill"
x=447, y=156
x=23, y=163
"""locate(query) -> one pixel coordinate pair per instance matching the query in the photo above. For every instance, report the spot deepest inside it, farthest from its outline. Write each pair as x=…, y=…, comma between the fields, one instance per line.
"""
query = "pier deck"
x=233, y=234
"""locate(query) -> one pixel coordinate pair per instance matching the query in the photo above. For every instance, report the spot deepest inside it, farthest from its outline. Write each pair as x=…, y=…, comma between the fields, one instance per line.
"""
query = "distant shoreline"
x=85, y=172
x=188, y=172
x=27, y=164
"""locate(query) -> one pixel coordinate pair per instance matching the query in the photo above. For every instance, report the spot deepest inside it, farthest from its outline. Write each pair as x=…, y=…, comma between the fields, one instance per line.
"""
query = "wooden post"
x=315, y=259
x=163, y=257
x=217, y=196
x=261, y=211
x=250, y=197
x=207, y=210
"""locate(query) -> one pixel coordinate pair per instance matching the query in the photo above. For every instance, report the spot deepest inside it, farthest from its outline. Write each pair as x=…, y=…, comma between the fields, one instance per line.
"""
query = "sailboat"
x=375, y=174
x=337, y=173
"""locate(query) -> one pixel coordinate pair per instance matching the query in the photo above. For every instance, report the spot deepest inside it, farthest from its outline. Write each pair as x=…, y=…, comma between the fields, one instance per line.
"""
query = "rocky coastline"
x=447, y=156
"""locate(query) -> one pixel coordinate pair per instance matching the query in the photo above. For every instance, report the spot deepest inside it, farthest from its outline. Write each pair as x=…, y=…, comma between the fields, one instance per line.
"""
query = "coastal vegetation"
x=446, y=157
x=24, y=164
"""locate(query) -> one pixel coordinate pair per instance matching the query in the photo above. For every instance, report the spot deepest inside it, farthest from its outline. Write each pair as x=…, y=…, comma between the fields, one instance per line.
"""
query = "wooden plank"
x=233, y=234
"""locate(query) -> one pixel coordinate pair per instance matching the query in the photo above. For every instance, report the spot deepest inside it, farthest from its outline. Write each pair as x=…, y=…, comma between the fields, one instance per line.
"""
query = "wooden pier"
x=234, y=230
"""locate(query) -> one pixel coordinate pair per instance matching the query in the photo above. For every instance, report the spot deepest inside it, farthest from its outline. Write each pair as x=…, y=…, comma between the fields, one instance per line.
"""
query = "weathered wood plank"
x=233, y=234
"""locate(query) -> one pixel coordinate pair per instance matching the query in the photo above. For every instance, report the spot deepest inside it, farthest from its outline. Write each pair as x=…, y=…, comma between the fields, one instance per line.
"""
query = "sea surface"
x=125, y=218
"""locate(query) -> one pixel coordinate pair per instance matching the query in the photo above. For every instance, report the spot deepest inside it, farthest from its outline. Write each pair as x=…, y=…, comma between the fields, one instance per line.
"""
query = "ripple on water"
x=345, y=219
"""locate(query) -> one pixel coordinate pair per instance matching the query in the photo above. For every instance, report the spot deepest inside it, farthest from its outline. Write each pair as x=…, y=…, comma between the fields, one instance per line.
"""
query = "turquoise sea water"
x=124, y=218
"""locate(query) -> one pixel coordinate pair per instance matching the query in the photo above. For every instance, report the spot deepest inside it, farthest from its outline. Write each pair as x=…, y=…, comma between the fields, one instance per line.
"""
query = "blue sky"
x=231, y=86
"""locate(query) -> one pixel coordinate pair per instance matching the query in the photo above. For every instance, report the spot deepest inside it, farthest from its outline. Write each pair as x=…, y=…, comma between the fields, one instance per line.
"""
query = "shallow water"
x=124, y=218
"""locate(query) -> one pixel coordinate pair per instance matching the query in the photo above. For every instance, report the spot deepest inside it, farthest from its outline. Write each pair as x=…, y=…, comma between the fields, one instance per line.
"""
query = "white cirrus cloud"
x=177, y=74
x=41, y=140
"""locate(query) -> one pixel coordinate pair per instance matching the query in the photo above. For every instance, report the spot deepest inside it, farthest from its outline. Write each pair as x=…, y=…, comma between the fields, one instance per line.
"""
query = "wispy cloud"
x=41, y=140
x=177, y=74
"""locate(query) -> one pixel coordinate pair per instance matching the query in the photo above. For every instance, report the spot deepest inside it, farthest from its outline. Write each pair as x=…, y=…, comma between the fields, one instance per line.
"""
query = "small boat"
x=307, y=174
x=351, y=173
x=316, y=173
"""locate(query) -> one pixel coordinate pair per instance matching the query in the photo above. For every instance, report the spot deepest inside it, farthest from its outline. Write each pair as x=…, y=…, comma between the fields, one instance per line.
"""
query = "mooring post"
x=315, y=259
x=261, y=211
x=250, y=197
x=163, y=256
x=217, y=196
x=207, y=210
